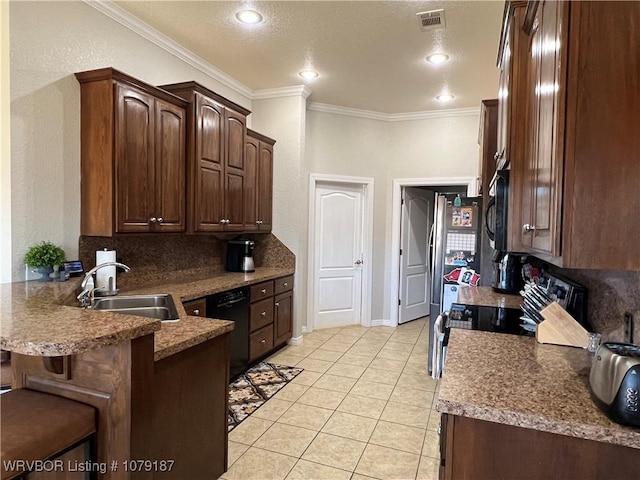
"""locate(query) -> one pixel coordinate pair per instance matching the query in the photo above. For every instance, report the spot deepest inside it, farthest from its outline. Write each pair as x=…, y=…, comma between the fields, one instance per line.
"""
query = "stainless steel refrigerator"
x=455, y=244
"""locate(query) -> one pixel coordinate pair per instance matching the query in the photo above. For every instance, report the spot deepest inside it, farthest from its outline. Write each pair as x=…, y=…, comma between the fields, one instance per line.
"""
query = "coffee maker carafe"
x=240, y=256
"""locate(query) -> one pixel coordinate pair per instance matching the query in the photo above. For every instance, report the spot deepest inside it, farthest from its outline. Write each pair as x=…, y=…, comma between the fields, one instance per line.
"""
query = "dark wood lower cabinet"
x=283, y=317
x=271, y=316
x=173, y=409
x=477, y=449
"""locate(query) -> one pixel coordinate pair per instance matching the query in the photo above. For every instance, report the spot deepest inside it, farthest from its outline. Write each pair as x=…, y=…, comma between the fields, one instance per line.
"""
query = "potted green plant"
x=43, y=257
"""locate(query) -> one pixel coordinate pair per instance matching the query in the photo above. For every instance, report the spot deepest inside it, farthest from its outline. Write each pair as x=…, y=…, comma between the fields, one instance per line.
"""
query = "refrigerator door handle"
x=431, y=255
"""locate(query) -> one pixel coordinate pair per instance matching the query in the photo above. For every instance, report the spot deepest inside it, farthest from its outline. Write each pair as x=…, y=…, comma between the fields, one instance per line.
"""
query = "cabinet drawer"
x=196, y=308
x=261, y=314
x=260, y=342
x=283, y=284
x=261, y=290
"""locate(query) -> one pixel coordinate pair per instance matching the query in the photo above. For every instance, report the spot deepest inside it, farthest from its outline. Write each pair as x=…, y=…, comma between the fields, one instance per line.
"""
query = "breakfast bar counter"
x=525, y=397
x=155, y=385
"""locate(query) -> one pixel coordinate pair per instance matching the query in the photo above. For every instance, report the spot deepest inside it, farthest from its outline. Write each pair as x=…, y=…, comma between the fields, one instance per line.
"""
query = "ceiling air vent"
x=431, y=20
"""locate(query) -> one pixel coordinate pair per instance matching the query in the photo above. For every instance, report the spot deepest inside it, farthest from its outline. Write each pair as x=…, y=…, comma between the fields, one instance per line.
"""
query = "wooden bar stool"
x=39, y=426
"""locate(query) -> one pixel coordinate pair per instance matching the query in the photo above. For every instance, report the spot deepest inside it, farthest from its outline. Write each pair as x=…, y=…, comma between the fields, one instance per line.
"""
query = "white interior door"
x=338, y=255
x=415, y=283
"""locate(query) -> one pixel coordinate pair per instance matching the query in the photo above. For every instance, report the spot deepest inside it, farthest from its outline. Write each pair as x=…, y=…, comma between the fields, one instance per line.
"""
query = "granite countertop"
x=40, y=318
x=487, y=297
x=174, y=337
x=516, y=381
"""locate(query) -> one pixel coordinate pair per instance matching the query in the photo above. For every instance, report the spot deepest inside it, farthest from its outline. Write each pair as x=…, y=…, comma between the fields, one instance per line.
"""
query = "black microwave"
x=497, y=210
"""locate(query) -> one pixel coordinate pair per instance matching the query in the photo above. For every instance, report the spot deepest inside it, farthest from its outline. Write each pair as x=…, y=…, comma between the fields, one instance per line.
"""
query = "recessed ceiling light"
x=437, y=58
x=249, y=16
x=445, y=97
x=308, y=74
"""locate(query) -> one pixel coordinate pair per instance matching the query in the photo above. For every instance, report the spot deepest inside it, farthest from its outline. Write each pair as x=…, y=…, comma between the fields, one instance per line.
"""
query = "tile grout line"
x=388, y=339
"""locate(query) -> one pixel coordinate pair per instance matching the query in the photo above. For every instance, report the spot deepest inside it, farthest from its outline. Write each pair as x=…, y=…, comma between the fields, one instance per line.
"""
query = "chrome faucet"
x=88, y=285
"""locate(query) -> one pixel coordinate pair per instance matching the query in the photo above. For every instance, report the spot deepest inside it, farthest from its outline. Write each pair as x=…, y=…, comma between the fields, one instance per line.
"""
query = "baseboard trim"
x=295, y=340
x=383, y=322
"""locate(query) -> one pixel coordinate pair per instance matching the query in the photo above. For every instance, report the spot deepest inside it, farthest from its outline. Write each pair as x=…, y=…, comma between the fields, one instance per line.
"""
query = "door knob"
x=358, y=262
x=160, y=219
x=277, y=304
x=526, y=228
x=153, y=220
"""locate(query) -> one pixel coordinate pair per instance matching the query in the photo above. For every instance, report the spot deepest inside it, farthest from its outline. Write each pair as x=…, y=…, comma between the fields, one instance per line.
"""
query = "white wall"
x=434, y=147
x=49, y=42
x=5, y=147
x=283, y=119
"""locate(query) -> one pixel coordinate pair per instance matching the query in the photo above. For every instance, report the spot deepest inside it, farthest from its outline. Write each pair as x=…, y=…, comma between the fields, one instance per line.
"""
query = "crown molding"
x=294, y=91
x=393, y=117
x=113, y=11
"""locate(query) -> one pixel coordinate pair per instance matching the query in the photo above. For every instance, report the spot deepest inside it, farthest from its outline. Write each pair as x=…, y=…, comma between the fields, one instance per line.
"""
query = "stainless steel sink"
x=159, y=306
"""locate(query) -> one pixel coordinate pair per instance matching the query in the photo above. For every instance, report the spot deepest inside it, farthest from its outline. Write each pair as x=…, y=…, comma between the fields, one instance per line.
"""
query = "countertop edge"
x=56, y=349
x=174, y=348
x=538, y=422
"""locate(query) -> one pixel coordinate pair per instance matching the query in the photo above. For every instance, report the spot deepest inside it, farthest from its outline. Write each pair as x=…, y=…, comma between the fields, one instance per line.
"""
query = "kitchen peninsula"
x=160, y=389
x=513, y=408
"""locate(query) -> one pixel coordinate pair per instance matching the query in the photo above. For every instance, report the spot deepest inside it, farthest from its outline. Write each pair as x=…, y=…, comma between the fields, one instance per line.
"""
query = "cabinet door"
x=208, y=208
x=170, y=135
x=197, y=308
x=252, y=150
x=235, y=134
x=265, y=186
x=542, y=202
x=134, y=159
x=283, y=317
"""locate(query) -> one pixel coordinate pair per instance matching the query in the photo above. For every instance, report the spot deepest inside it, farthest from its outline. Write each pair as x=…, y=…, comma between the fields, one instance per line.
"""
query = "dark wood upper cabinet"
x=259, y=182
x=216, y=160
x=575, y=189
x=132, y=156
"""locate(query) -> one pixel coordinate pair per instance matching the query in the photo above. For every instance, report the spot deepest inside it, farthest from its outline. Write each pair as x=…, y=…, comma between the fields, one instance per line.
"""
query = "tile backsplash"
x=158, y=258
x=611, y=294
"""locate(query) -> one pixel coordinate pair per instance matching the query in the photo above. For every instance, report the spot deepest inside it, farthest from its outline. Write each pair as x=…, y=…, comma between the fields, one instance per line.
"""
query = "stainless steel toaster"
x=615, y=381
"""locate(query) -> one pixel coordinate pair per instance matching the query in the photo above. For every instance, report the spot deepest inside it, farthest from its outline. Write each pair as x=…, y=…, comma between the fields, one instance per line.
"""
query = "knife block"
x=560, y=328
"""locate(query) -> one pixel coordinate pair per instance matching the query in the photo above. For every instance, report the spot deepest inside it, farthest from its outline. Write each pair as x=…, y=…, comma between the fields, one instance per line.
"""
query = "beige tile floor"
x=363, y=408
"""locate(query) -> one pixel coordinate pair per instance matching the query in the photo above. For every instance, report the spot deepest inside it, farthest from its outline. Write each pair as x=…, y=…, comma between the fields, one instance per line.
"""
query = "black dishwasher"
x=234, y=305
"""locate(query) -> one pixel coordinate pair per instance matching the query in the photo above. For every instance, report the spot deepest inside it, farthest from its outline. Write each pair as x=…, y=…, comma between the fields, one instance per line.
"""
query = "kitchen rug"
x=250, y=390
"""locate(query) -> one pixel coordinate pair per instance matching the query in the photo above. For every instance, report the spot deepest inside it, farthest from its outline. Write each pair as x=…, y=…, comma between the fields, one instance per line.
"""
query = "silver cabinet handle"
x=264, y=290
x=257, y=222
x=526, y=228
x=358, y=262
x=263, y=314
x=277, y=304
x=285, y=284
x=196, y=312
x=264, y=340
x=160, y=219
x=153, y=220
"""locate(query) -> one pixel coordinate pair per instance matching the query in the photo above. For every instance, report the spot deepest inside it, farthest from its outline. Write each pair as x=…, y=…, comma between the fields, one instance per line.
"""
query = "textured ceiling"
x=370, y=55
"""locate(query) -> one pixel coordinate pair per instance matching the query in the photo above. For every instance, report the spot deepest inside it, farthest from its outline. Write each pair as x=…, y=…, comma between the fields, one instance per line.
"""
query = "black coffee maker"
x=507, y=272
x=240, y=256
